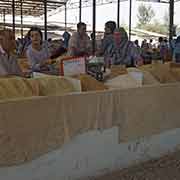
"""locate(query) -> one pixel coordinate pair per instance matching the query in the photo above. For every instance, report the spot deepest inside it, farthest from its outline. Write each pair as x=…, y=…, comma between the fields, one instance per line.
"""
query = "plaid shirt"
x=79, y=45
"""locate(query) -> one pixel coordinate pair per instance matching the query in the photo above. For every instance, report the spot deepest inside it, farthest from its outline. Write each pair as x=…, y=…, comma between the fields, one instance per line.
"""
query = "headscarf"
x=123, y=38
x=124, y=52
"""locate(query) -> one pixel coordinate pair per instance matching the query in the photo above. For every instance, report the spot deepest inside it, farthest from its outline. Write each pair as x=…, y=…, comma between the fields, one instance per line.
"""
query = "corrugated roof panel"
x=30, y=7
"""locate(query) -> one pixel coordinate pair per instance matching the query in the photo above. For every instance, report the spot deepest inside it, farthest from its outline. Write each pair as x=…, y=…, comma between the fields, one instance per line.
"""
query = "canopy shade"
x=29, y=7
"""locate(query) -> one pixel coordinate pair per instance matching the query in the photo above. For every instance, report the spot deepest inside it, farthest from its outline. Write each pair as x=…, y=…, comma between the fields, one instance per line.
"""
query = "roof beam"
x=31, y=4
x=52, y=2
x=30, y=7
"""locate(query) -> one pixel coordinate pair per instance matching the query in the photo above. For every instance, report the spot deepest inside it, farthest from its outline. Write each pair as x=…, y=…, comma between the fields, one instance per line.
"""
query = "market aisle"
x=165, y=168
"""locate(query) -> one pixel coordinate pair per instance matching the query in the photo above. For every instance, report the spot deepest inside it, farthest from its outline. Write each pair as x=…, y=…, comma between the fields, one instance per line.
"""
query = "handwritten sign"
x=73, y=66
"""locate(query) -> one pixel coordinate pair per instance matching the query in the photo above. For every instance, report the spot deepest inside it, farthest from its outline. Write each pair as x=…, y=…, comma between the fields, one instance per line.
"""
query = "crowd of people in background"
x=115, y=47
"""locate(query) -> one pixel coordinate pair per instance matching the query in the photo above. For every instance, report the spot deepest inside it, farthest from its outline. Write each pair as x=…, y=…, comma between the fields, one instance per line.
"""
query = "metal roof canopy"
x=40, y=7
x=29, y=7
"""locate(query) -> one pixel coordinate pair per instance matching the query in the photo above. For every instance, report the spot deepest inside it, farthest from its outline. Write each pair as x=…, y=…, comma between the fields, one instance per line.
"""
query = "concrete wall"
x=91, y=154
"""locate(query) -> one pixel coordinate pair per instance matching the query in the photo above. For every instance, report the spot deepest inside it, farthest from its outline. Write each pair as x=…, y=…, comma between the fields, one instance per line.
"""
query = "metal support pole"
x=21, y=19
x=118, y=13
x=4, y=18
x=65, y=17
x=94, y=28
x=80, y=10
x=13, y=15
x=45, y=19
x=171, y=19
x=130, y=14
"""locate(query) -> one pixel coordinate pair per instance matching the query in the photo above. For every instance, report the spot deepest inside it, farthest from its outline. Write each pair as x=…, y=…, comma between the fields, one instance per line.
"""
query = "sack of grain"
x=122, y=82
x=149, y=79
x=162, y=73
x=175, y=70
x=116, y=71
x=17, y=87
x=88, y=83
x=55, y=85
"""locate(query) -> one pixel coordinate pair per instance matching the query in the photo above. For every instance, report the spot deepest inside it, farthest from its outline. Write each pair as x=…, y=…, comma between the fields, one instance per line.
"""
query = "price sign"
x=73, y=66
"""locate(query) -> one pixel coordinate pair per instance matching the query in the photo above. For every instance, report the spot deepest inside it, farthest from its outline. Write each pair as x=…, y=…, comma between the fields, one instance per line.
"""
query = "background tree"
x=166, y=19
x=145, y=15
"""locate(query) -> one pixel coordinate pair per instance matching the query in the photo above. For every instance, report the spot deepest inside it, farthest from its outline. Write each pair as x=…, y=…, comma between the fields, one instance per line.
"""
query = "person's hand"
x=26, y=74
x=44, y=68
x=42, y=64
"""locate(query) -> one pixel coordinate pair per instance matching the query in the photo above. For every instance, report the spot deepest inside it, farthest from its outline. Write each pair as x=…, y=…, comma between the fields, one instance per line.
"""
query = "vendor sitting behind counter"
x=38, y=52
x=79, y=44
x=122, y=51
x=8, y=60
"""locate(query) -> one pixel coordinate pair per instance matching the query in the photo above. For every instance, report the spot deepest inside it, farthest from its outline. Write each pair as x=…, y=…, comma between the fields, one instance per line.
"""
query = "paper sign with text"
x=73, y=66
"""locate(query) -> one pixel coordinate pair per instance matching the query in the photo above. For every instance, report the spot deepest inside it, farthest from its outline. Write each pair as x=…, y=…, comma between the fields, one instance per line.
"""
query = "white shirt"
x=37, y=57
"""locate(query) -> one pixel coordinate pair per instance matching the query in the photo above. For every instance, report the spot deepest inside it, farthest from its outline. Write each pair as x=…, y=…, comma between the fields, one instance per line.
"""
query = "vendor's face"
x=107, y=30
x=7, y=41
x=82, y=30
x=35, y=37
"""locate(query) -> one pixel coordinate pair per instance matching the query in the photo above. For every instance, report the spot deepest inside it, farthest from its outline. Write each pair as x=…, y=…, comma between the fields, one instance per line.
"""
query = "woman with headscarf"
x=176, y=53
x=122, y=51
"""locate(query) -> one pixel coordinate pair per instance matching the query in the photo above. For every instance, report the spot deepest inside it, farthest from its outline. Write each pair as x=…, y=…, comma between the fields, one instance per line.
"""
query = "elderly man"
x=79, y=44
x=8, y=62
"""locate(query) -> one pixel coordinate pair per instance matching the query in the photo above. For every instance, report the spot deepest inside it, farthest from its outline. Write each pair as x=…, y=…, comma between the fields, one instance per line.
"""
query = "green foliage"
x=125, y=26
x=157, y=27
x=145, y=14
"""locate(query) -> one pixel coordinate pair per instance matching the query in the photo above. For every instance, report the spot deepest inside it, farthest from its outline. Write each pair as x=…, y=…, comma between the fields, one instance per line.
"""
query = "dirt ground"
x=165, y=168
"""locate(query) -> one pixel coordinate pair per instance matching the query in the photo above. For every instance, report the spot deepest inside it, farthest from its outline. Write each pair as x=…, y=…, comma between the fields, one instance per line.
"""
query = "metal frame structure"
x=40, y=7
x=171, y=19
x=79, y=4
x=130, y=17
x=118, y=13
x=28, y=8
x=94, y=27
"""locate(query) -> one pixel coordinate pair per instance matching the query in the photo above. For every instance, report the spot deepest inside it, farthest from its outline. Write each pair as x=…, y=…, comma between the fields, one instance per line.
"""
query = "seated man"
x=79, y=44
x=8, y=62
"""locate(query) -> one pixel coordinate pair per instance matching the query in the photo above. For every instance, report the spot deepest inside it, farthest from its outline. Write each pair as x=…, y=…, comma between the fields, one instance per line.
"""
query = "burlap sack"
x=161, y=72
x=16, y=87
x=54, y=85
x=89, y=83
x=116, y=71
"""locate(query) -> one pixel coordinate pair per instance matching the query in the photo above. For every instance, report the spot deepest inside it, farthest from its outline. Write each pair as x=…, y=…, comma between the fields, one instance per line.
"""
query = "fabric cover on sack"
x=16, y=87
